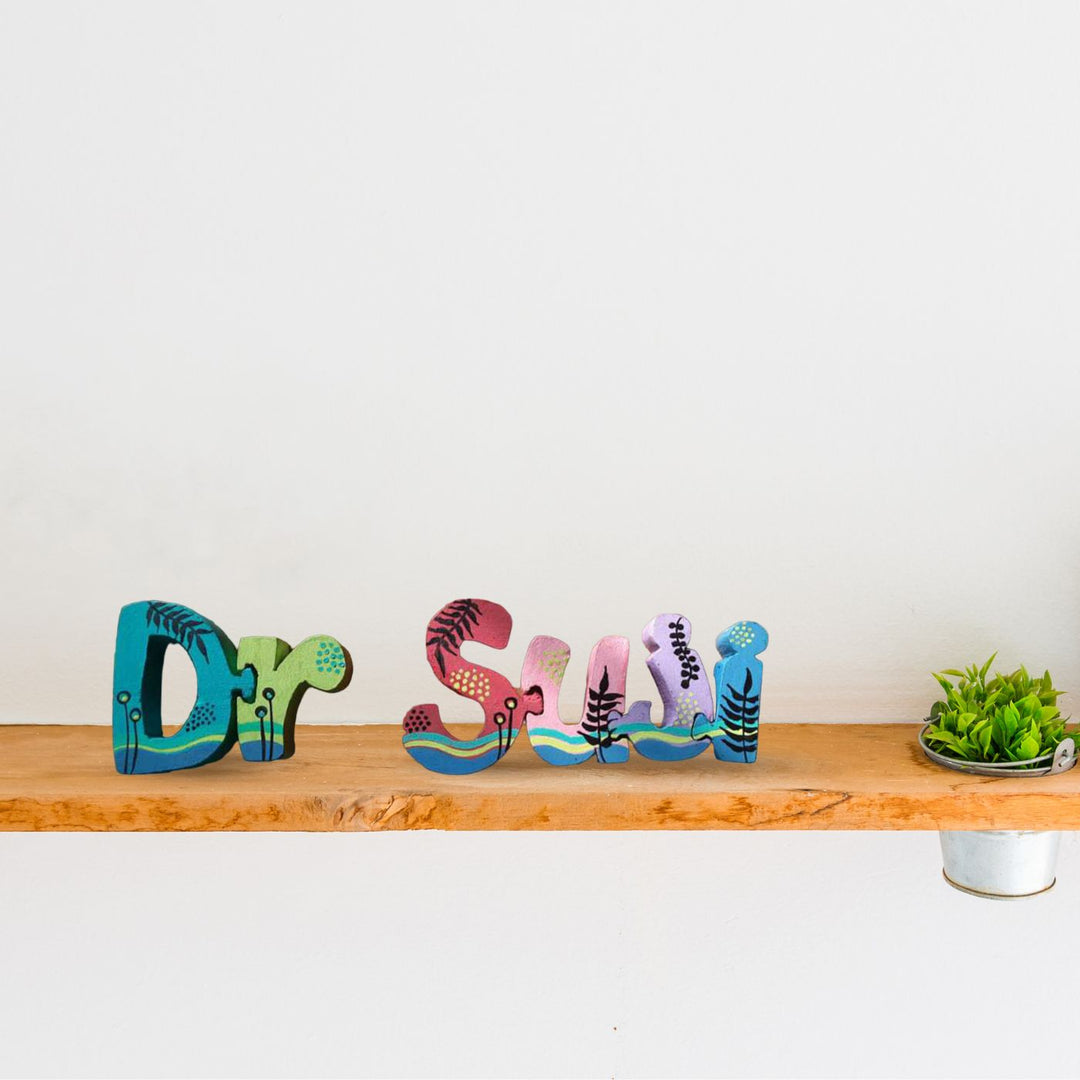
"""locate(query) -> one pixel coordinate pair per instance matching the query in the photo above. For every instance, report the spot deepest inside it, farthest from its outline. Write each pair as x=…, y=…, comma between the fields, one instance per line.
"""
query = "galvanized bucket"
x=1061, y=760
x=1000, y=865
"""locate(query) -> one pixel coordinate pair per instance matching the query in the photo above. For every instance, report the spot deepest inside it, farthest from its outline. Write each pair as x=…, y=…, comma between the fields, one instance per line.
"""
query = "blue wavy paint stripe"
x=438, y=760
x=458, y=747
x=674, y=743
x=146, y=747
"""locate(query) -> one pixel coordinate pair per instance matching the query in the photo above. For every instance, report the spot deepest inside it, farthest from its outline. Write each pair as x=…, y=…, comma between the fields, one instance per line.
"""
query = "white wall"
x=315, y=317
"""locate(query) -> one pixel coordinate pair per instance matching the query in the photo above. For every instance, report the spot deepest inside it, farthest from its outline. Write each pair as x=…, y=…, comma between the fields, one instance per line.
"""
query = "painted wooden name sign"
x=691, y=721
x=247, y=694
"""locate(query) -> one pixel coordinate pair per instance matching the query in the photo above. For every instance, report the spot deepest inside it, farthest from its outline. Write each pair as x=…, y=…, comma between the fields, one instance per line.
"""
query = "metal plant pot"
x=1002, y=865
x=1061, y=760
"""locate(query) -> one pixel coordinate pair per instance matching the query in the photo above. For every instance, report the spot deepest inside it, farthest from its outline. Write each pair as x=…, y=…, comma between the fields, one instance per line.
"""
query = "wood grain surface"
x=358, y=778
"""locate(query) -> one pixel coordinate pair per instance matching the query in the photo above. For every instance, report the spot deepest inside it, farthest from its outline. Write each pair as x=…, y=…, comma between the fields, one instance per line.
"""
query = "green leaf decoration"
x=1008, y=718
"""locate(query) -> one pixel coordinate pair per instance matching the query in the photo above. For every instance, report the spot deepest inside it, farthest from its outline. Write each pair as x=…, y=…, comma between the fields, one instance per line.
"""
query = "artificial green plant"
x=1008, y=718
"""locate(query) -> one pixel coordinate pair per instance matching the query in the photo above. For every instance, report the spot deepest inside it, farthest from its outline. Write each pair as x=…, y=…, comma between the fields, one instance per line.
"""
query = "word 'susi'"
x=247, y=694
x=691, y=719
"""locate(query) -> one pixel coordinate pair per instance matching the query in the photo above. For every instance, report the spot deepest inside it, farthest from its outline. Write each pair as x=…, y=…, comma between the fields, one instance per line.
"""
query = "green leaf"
x=1028, y=748
x=1001, y=732
x=1010, y=717
x=944, y=738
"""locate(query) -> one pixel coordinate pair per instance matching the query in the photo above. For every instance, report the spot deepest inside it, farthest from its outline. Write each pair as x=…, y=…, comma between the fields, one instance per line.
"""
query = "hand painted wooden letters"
x=679, y=674
x=689, y=723
x=505, y=706
x=143, y=633
x=738, y=675
x=261, y=685
x=605, y=690
x=266, y=724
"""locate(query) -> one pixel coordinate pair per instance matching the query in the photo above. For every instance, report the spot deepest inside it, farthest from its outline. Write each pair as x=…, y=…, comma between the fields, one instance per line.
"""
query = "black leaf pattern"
x=741, y=712
x=453, y=624
x=691, y=670
x=183, y=624
x=595, y=728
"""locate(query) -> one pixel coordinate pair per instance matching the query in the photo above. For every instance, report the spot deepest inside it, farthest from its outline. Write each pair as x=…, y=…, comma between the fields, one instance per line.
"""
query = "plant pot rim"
x=1061, y=760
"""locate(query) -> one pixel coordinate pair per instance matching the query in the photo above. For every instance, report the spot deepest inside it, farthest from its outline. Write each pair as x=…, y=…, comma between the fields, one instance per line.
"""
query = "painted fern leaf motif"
x=596, y=727
x=690, y=669
x=450, y=628
x=740, y=712
x=187, y=628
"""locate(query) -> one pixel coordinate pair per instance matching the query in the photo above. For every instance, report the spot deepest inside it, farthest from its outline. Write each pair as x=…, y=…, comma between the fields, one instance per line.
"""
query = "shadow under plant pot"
x=1002, y=865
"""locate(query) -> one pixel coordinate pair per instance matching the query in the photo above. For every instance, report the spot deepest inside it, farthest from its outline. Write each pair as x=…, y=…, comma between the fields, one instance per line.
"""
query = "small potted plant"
x=1008, y=725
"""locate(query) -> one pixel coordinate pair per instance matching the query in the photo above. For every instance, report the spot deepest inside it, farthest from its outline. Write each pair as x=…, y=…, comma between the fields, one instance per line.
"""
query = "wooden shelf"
x=809, y=776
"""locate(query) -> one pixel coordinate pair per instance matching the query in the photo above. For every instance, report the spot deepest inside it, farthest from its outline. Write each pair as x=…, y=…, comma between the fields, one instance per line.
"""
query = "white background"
x=314, y=317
